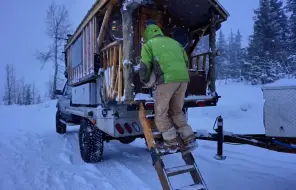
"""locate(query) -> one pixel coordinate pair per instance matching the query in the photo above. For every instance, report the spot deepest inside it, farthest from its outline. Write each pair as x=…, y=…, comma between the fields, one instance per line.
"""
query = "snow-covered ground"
x=34, y=157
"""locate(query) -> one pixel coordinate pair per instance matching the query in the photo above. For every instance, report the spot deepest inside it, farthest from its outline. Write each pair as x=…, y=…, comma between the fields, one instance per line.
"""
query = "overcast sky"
x=23, y=32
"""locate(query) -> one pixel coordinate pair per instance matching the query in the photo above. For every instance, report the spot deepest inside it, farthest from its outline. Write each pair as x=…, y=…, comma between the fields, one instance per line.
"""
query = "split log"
x=109, y=72
x=211, y=78
x=115, y=90
x=105, y=22
x=127, y=29
x=120, y=74
x=114, y=68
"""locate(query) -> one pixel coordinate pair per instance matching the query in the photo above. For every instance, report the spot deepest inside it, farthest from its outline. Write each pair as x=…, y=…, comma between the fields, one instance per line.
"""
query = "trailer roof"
x=193, y=13
x=99, y=4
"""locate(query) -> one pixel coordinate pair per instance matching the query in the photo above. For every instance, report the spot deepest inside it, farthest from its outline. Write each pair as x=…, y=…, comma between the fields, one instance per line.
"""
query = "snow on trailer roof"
x=280, y=84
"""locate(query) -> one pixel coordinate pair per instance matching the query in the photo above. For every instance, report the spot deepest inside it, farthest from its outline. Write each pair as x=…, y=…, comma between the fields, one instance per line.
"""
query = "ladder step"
x=179, y=170
x=156, y=134
x=150, y=116
x=194, y=186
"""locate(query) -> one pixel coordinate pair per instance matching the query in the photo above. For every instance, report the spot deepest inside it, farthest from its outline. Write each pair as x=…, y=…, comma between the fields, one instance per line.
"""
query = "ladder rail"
x=164, y=173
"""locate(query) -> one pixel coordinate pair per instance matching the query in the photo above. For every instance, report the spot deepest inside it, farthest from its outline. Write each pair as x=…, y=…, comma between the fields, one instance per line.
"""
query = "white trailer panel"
x=280, y=110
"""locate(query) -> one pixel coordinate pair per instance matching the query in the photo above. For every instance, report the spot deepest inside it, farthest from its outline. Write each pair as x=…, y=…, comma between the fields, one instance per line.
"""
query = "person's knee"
x=162, y=123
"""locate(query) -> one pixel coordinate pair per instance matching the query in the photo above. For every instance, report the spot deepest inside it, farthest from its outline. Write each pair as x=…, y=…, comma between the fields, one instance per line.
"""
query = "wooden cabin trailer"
x=100, y=55
x=106, y=93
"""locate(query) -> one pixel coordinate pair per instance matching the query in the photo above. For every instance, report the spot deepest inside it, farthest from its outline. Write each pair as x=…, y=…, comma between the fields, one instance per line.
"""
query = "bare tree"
x=38, y=99
x=34, y=93
x=50, y=88
x=9, y=84
x=57, y=21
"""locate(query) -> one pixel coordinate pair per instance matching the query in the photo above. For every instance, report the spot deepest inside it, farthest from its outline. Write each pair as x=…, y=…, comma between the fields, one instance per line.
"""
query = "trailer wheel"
x=91, y=142
x=61, y=128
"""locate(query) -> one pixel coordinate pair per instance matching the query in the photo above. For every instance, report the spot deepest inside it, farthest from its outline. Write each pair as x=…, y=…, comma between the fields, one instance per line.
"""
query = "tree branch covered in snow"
x=271, y=52
x=57, y=22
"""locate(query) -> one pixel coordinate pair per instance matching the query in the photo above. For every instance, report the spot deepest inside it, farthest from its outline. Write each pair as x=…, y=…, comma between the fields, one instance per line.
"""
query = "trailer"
x=279, y=121
x=103, y=93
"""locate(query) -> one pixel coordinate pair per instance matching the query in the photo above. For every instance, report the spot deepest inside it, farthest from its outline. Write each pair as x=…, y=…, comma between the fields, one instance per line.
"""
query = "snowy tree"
x=279, y=32
x=28, y=95
x=9, y=82
x=58, y=27
x=38, y=99
x=238, y=53
x=202, y=46
x=234, y=44
x=229, y=63
x=259, y=41
x=267, y=46
x=291, y=7
x=222, y=60
x=35, y=93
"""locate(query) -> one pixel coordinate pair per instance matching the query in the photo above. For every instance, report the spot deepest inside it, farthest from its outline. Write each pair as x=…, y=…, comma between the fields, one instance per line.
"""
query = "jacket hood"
x=151, y=31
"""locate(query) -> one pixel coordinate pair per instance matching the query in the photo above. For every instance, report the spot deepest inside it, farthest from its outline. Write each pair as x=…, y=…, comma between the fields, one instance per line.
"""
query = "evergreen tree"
x=28, y=95
x=238, y=40
x=279, y=32
x=238, y=52
x=259, y=43
x=267, y=46
x=233, y=68
x=38, y=100
x=291, y=7
x=222, y=60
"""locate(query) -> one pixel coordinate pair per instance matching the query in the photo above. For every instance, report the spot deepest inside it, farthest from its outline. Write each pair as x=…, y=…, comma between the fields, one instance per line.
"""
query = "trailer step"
x=179, y=170
x=154, y=139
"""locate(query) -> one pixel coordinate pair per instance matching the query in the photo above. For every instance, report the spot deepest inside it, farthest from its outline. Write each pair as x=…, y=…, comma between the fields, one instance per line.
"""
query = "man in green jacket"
x=167, y=59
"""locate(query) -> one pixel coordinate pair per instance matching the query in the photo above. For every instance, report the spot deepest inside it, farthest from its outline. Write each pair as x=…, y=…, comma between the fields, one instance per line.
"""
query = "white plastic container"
x=280, y=109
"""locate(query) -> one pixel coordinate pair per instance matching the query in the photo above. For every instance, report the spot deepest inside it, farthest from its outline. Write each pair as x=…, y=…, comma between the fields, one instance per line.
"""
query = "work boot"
x=169, y=146
x=189, y=144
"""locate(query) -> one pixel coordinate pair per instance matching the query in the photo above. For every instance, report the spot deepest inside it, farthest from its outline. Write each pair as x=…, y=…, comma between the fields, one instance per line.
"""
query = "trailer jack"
x=220, y=139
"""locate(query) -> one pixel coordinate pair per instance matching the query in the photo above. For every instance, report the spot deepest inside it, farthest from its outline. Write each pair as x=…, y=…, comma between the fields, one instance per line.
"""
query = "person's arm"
x=146, y=63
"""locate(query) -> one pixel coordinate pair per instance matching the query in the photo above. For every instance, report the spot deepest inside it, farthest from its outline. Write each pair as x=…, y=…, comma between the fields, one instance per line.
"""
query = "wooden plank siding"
x=86, y=68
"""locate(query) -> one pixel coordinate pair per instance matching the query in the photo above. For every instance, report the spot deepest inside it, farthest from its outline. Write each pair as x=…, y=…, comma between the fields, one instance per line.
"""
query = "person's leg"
x=162, y=99
x=178, y=117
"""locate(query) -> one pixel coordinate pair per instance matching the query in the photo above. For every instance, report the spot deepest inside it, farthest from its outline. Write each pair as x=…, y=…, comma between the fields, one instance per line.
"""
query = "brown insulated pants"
x=169, y=101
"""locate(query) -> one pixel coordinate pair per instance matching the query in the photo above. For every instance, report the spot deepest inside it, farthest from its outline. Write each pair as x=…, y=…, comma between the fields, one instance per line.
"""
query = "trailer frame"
x=278, y=144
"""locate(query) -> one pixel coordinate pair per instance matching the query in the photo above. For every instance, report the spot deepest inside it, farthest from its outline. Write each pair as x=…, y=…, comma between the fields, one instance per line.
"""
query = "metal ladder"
x=153, y=137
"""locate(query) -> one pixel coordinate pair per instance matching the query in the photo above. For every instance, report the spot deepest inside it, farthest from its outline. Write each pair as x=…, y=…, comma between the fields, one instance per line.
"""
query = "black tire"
x=127, y=140
x=61, y=128
x=91, y=142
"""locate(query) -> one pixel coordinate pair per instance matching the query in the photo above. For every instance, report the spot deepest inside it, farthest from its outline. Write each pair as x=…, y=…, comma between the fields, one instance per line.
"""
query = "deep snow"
x=34, y=157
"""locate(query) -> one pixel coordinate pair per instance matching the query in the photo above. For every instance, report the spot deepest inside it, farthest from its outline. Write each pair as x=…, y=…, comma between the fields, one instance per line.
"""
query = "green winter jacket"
x=164, y=56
